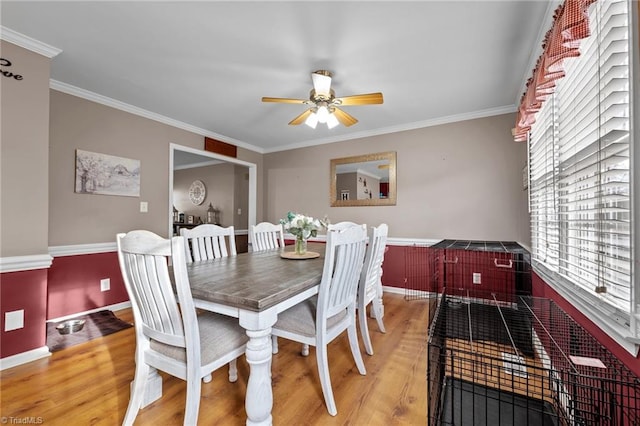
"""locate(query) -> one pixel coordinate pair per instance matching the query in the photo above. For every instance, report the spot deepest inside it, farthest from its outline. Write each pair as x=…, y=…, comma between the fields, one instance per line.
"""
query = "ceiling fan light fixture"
x=312, y=120
x=332, y=121
x=323, y=112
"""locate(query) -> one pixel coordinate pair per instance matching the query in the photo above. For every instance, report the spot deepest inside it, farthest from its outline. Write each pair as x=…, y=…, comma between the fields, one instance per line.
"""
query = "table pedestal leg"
x=259, y=398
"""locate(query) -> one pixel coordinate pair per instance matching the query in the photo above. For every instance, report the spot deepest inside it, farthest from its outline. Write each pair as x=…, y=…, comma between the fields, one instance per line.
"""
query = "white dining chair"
x=343, y=225
x=171, y=338
x=319, y=320
x=267, y=236
x=370, y=286
x=208, y=242
x=339, y=226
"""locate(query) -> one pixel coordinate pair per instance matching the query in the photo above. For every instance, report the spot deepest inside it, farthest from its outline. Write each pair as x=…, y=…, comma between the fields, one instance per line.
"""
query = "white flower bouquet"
x=302, y=227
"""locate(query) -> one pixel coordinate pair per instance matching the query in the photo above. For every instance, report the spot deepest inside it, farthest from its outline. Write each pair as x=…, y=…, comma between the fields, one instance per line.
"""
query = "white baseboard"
x=115, y=307
x=414, y=293
x=24, y=357
x=395, y=290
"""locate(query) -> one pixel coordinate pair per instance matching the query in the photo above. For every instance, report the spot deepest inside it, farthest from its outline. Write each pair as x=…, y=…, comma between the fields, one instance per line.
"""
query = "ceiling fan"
x=324, y=104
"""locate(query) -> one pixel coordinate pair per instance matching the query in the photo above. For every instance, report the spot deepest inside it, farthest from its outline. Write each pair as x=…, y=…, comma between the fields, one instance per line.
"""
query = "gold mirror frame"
x=385, y=159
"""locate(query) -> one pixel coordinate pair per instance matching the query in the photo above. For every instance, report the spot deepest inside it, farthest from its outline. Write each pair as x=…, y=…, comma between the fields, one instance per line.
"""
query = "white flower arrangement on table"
x=301, y=226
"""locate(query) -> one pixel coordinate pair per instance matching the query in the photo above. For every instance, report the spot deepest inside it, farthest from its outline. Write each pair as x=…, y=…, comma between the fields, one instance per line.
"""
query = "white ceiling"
x=205, y=65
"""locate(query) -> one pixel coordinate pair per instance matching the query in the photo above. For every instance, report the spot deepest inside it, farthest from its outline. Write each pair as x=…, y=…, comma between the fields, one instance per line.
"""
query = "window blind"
x=542, y=166
x=579, y=164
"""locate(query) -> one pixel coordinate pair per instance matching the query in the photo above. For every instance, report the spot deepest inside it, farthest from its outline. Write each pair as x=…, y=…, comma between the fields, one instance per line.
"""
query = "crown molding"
x=28, y=43
x=536, y=50
x=401, y=128
x=113, y=103
x=122, y=106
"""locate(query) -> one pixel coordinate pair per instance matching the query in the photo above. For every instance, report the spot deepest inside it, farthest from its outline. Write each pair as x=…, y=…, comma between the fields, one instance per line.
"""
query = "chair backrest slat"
x=372, y=271
x=344, y=260
x=267, y=236
x=143, y=258
x=208, y=242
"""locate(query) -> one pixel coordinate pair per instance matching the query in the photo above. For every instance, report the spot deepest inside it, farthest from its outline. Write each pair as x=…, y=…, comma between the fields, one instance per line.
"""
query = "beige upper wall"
x=77, y=123
x=24, y=162
x=461, y=180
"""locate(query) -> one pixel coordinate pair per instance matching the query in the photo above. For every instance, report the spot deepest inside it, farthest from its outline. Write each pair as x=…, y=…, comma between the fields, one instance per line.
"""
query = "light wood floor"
x=89, y=383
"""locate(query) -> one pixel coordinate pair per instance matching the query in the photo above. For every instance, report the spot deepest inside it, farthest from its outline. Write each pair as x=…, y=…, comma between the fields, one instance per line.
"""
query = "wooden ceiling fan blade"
x=365, y=99
x=285, y=100
x=344, y=118
x=301, y=118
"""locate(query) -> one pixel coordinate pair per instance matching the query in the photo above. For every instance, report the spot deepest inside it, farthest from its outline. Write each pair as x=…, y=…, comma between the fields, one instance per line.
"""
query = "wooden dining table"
x=255, y=288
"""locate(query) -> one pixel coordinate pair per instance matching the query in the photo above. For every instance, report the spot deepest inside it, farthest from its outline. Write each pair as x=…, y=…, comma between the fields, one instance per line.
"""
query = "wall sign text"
x=5, y=63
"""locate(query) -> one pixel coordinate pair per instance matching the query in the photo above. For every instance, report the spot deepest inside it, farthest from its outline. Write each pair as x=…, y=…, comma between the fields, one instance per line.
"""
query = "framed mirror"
x=363, y=180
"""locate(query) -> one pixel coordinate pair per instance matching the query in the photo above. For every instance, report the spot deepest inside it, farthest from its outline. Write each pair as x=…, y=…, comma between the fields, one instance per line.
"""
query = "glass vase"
x=301, y=246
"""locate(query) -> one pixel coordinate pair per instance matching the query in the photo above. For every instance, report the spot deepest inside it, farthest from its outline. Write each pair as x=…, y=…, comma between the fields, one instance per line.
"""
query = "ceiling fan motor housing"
x=320, y=97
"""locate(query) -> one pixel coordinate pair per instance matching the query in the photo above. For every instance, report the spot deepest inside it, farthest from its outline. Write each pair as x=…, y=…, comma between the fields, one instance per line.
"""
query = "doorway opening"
x=227, y=191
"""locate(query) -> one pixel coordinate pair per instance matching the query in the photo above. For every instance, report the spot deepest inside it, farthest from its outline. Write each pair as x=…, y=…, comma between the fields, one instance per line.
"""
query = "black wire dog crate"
x=467, y=267
x=520, y=361
x=482, y=267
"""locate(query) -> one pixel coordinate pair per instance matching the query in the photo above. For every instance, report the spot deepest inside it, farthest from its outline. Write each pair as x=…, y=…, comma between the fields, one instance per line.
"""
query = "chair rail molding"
x=423, y=242
x=96, y=248
x=25, y=263
x=79, y=249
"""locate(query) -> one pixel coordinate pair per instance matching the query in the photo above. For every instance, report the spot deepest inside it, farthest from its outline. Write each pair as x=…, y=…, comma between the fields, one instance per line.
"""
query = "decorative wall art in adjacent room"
x=104, y=174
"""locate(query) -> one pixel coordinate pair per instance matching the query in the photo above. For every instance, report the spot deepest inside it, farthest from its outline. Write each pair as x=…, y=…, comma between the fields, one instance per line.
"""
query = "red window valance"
x=570, y=25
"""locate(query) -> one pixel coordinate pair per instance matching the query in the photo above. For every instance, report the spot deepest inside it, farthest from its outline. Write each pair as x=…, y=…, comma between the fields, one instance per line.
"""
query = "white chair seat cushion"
x=301, y=318
x=223, y=334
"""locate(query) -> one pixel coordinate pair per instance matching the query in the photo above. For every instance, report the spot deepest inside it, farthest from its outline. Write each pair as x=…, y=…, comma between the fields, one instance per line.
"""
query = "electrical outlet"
x=239, y=212
x=14, y=320
x=144, y=207
x=477, y=278
x=105, y=284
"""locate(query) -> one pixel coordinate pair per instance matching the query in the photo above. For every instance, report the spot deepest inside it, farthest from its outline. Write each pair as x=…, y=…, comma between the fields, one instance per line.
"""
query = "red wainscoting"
x=497, y=273
x=74, y=283
x=393, y=266
x=25, y=290
x=542, y=289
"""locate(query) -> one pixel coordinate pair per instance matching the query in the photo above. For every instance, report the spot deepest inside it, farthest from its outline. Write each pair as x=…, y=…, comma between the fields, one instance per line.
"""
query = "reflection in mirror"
x=364, y=180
